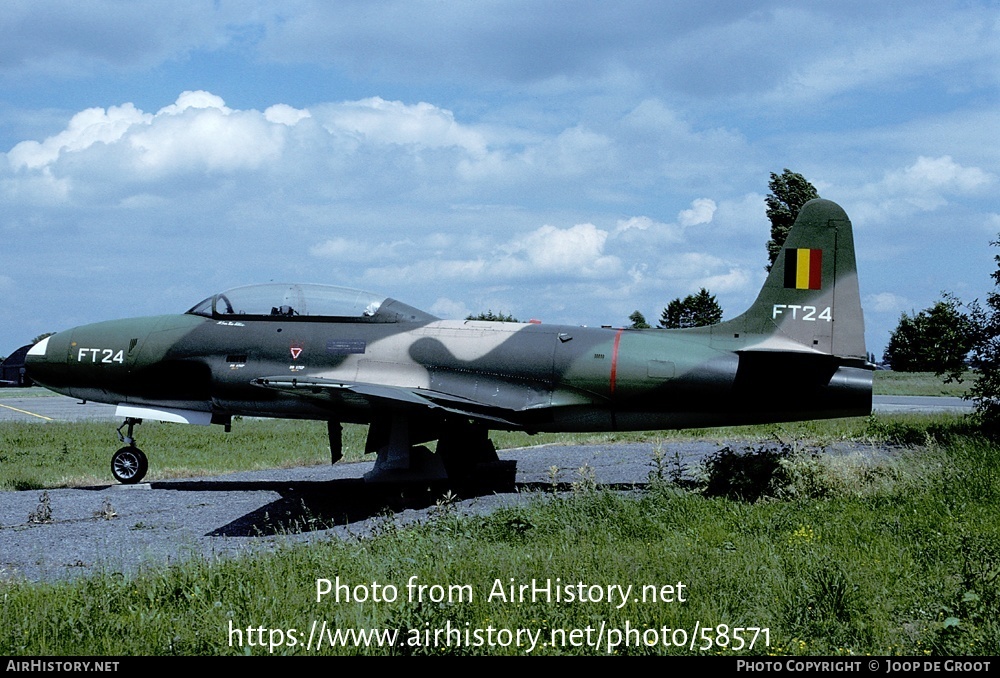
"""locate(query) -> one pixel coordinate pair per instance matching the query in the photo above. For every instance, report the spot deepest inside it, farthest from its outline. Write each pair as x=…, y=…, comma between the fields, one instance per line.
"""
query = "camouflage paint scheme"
x=797, y=353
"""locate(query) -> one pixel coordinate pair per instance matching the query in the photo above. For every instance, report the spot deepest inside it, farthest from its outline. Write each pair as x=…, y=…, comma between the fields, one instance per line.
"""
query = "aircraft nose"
x=86, y=362
x=45, y=362
x=97, y=361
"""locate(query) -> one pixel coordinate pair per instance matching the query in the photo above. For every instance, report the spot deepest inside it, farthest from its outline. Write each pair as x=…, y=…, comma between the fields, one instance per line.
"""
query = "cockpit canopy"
x=305, y=302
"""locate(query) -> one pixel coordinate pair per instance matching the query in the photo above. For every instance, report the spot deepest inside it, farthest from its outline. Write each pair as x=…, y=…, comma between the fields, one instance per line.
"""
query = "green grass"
x=60, y=454
x=887, y=382
x=29, y=392
x=888, y=555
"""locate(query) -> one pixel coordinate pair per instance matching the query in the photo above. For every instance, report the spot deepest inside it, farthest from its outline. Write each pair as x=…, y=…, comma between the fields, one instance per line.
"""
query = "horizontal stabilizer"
x=777, y=343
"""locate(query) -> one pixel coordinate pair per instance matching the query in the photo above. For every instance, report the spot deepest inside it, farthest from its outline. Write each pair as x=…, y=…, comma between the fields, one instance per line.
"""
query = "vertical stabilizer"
x=810, y=301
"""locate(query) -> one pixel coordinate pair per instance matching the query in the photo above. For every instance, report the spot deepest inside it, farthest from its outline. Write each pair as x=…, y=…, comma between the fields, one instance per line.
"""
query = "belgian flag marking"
x=803, y=269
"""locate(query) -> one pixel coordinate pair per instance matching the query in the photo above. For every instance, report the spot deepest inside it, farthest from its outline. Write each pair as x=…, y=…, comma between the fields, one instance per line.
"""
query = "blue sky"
x=565, y=161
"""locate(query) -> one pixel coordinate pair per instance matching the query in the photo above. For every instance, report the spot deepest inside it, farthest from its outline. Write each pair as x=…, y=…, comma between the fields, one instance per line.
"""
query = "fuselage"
x=538, y=377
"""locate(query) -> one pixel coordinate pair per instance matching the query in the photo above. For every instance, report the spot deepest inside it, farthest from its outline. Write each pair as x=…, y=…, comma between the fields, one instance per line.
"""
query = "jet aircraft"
x=319, y=352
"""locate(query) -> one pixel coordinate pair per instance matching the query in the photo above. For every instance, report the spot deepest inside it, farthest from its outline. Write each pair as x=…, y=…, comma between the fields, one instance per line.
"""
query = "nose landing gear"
x=129, y=464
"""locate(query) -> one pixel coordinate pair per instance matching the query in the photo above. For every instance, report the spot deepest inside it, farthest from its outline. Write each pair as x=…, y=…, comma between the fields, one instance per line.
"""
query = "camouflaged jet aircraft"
x=328, y=353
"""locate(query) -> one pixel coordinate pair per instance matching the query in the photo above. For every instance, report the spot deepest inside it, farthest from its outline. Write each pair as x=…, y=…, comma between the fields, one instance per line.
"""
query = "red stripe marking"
x=614, y=359
x=815, y=269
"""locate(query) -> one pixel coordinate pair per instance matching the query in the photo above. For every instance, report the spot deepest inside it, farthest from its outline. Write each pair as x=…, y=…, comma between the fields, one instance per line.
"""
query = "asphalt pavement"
x=38, y=405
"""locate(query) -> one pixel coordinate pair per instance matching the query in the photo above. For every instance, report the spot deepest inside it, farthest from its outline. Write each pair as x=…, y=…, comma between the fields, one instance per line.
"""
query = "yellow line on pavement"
x=27, y=412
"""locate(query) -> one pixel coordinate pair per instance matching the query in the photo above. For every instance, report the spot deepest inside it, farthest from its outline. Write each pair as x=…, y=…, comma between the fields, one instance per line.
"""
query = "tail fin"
x=810, y=302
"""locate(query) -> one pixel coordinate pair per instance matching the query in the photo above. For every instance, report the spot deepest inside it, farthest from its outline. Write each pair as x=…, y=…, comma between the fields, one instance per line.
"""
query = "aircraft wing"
x=382, y=396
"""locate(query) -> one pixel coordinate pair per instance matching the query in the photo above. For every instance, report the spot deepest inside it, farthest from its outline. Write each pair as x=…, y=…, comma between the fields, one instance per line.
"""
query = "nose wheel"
x=129, y=464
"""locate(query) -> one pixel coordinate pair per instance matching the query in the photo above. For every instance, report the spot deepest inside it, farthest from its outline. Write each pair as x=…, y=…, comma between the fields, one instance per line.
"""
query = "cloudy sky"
x=567, y=161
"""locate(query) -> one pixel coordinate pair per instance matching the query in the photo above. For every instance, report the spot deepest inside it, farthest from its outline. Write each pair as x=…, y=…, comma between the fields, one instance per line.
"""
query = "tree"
x=937, y=339
x=789, y=192
x=494, y=317
x=695, y=310
x=638, y=320
x=985, y=392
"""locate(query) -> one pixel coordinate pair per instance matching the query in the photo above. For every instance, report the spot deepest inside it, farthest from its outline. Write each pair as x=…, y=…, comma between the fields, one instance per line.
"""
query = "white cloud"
x=887, y=302
x=637, y=224
x=943, y=173
x=691, y=265
x=548, y=252
x=701, y=212
x=743, y=215
x=645, y=232
x=365, y=150
x=450, y=309
x=41, y=189
x=575, y=144
x=199, y=132
x=86, y=128
x=338, y=248
x=926, y=185
x=654, y=233
x=372, y=143
x=733, y=280
x=210, y=139
x=196, y=132
x=285, y=114
x=577, y=251
x=394, y=122
x=195, y=99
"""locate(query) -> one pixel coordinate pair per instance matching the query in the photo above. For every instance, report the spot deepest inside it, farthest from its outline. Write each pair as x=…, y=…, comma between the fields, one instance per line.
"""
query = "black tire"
x=129, y=465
